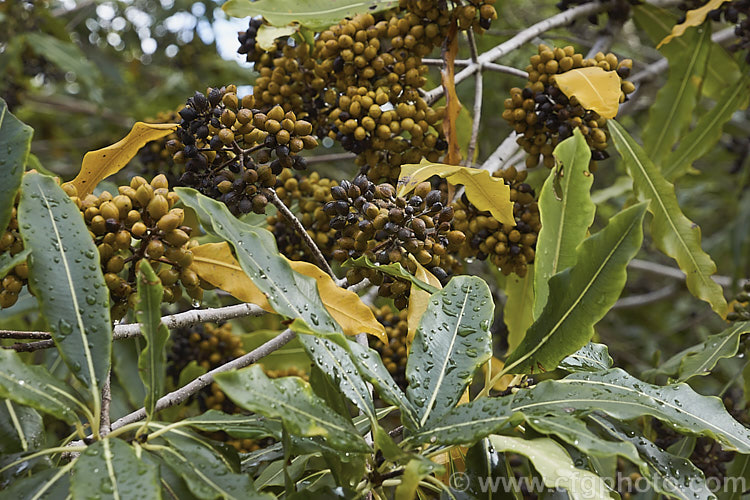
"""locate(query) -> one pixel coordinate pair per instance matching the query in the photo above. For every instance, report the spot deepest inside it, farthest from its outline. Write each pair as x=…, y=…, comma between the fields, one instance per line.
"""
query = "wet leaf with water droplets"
x=15, y=142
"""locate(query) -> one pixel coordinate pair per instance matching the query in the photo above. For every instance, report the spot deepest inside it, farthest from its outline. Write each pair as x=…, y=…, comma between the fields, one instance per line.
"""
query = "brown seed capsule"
x=176, y=237
x=155, y=249
x=172, y=220
x=158, y=207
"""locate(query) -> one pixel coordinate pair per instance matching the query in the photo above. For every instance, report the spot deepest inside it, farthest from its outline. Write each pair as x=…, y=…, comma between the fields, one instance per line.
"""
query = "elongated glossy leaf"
x=518, y=312
x=208, y=474
x=594, y=88
x=707, y=131
x=701, y=358
x=152, y=361
x=372, y=369
x=483, y=190
x=172, y=485
x=589, y=358
x=291, y=399
x=66, y=276
x=574, y=432
x=15, y=144
x=49, y=484
x=555, y=466
x=8, y=261
x=34, y=386
x=289, y=293
x=693, y=17
x=623, y=397
x=657, y=22
x=21, y=428
x=668, y=474
x=565, y=220
x=394, y=269
x=239, y=426
x=581, y=295
x=335, y=361
x=673, y=233
x=110, y=469
x=313, y=14
x=453, y=340
x=738, y=473
x=674, y=105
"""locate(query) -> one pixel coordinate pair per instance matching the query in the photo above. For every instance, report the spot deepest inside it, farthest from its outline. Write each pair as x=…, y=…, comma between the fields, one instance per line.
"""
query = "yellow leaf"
x=595, y=89
x=102, y=163
x=267, y=35
x=214, y=263
x=487, y=193
x=344, y=305
x=418, y=300
x=693, y=17
x=452, y=104
x=496, y=366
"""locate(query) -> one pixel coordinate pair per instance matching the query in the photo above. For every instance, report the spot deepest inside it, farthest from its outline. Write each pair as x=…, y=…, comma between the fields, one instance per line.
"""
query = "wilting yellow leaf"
x=267, y=35
x=484, y=191
x=214, y=263
x=496, y=367
x=693, y=17
x=595, y=89
x=452, y=104
x=104, y=162
x=344, y=305
x=418, y=300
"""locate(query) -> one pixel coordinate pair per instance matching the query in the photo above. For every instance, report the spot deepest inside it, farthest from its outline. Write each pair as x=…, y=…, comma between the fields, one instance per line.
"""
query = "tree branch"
x=13, y=334
x=104, y=421
x=487, y=65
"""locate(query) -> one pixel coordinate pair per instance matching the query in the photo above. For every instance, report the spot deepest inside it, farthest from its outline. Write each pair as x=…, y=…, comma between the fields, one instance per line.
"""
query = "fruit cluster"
x=140, y=222
x=543, y=116
x=736, y=12
x=231, y=150
x=394, y=353
x=371, y=220
x=14, y=281
x=741, y=306
x=510, y=248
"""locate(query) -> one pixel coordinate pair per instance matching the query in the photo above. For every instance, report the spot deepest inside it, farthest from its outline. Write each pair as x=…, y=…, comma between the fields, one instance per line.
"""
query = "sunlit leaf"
x=595, y=89
x=418, y=299
x=102, y=163
x=565, y=216
x=518, y=312
x=267, y=35
x=673, y=233
x=485, y=192
x=693, y=17
x=15, y=143
x=314, y=14
x=674, y=105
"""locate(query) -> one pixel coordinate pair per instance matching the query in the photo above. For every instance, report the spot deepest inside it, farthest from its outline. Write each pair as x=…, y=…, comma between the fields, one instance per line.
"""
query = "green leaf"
x=314, y=14
x=267, y=35
x=110, y=469
x=66, y=277
x=701, y=358
x=237, y=426
x=172, y=485
x=589, y=358
x=335, y=362
x=657, y=23
x=21, y=428
x=669, y=474
x=453, y=340
x=738, y=475
x=518, y=311
x=49, y=484
x=8, y=261
x=15, y=144
x=674, y=104
x=291, y=399
x=65, y=55
x=565, y=220
x=394, y=269
x=673, y=233
x=414, y=472
x=34, y=386
x=624, y=397
x=707, y=131
x=581, y=295
x=290, y=294
x=574, y=432
x=372, y=369
x=555, y=466
x=152, y=361
x=208, y=473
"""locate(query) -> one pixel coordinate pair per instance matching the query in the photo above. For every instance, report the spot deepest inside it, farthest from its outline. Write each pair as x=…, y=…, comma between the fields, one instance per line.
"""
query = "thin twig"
x=300, y=229
x=13, y=334
x=645, y=298
x=477, y=100
x=509, y=70
x=104, y=421
x=673, y=272
x=172, y=321
x=330, y=157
